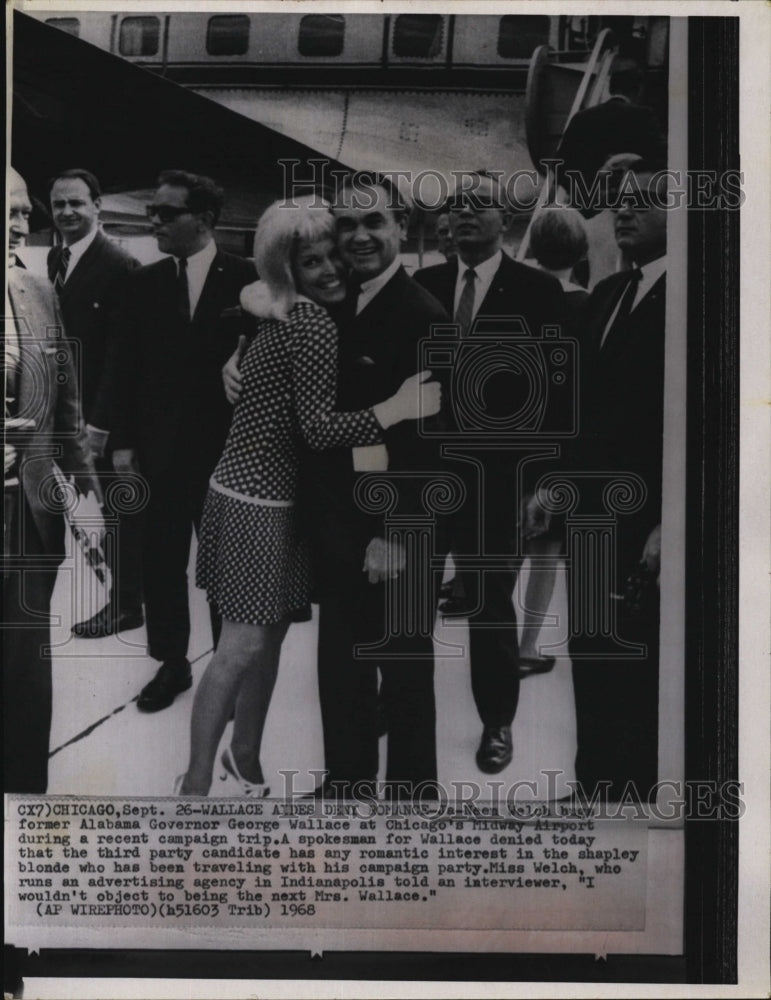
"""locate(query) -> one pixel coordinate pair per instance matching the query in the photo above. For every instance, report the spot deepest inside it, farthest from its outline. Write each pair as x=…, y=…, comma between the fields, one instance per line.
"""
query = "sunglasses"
x=166, y=213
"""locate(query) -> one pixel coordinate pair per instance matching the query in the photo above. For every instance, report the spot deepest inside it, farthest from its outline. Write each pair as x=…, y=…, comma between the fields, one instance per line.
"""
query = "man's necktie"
x=624, y=307
x=465, y=310
x=61, y=270
x=183, y=291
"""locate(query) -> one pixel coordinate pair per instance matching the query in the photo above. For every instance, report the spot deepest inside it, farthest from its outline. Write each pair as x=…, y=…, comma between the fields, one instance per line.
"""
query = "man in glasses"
x=622, y=427
x=170, y=416
x=621, y=440
x=87, y=271
x=484, y=282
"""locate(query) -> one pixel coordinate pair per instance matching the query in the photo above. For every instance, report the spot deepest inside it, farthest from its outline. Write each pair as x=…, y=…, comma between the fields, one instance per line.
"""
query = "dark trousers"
x=617, y=710
x=27, y=590
x=174, y=510
x=352, y=611
x=123, y=542
x=483, y=532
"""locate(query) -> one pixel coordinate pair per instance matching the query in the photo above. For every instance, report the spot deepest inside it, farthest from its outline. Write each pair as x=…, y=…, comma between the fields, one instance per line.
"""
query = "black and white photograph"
x=373, y=507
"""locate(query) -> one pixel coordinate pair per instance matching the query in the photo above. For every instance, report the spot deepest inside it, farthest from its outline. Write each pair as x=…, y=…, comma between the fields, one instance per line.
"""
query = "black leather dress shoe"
x=496, y=750
x=455, y=607
x=108, y=621
x=173, y=677
x=340, y=790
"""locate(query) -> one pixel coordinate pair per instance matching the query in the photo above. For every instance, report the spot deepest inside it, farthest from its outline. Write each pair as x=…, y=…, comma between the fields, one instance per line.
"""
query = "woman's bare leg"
x=243, y=653
x=252, y=706
x=540, y=587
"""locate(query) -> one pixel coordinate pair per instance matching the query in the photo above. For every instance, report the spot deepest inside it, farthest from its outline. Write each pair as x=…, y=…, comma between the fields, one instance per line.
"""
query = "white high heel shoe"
x=256, y=791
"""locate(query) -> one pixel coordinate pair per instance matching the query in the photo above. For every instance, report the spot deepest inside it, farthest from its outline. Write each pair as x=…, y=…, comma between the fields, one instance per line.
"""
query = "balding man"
x=88, y=271
x=43, y=422
x=481, y=283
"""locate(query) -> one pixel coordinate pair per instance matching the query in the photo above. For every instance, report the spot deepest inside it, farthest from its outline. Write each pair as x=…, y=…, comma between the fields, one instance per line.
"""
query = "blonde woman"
x=252, y=560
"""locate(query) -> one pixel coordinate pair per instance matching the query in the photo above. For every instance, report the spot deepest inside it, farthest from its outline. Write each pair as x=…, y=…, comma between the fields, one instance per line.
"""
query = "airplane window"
x=520, y=34
x=227, y=35
x=321, y=35
x=418, y=35
x=69, y=24
x=139, y=36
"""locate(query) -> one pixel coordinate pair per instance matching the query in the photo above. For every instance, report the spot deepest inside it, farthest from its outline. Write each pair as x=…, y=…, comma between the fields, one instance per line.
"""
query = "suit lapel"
x=83, y=267
x=445, y=293
x=602, y=309
x=32, y=322
x=210, y=297
x=376, y=305
x=52, y=263
x=638, y=324
x=493, y=304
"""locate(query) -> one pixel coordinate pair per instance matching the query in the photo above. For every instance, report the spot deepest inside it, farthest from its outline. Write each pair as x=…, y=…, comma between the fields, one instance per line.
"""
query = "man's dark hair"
x=366, y=180
x=78, y=173
x=203, y=193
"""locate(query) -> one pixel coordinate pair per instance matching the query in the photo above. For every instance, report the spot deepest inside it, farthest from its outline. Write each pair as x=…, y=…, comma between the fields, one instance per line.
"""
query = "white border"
x=755, y=539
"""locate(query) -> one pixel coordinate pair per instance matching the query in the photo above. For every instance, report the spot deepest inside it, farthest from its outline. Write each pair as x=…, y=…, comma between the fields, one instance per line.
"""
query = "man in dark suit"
x=170, y=417
x=485, y=283
x=621, y=442
x=43, y=423
x=384, y=319
x=87, y=271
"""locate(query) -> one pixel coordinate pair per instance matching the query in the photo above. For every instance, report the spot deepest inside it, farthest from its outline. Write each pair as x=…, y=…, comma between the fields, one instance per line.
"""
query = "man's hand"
x=535, y=520
x=383, y=561
x=125, y=460
x=97, y=440
x=10, y=457
x=231, y=375
x=651, y=555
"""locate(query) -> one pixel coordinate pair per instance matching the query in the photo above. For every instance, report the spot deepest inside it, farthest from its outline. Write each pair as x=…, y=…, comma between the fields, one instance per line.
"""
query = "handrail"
x=600, y=49
x=597, y=69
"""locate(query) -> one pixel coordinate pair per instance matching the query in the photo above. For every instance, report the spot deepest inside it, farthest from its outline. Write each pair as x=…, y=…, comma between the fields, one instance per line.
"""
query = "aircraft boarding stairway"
x=559, y=86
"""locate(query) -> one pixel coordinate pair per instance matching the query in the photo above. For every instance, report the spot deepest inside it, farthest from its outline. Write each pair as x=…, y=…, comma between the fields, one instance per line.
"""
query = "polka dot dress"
x=252, y=561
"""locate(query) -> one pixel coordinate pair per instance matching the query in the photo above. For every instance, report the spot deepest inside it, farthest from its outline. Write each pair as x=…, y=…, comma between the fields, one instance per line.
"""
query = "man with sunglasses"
x=170, y=417
x=482, y=283
x=87, y=271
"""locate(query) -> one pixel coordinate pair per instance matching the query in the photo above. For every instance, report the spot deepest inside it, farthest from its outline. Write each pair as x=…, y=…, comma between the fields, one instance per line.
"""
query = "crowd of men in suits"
x=154, y=355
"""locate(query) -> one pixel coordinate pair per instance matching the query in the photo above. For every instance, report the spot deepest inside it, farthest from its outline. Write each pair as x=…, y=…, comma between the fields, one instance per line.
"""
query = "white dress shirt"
x=370, y=288
x=77, y=250
x=649, y=275
x=198, y=265
x=485, y=272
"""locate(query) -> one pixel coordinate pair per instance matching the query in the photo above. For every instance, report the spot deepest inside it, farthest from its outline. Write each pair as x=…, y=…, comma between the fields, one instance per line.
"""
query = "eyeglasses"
x=166, y=213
